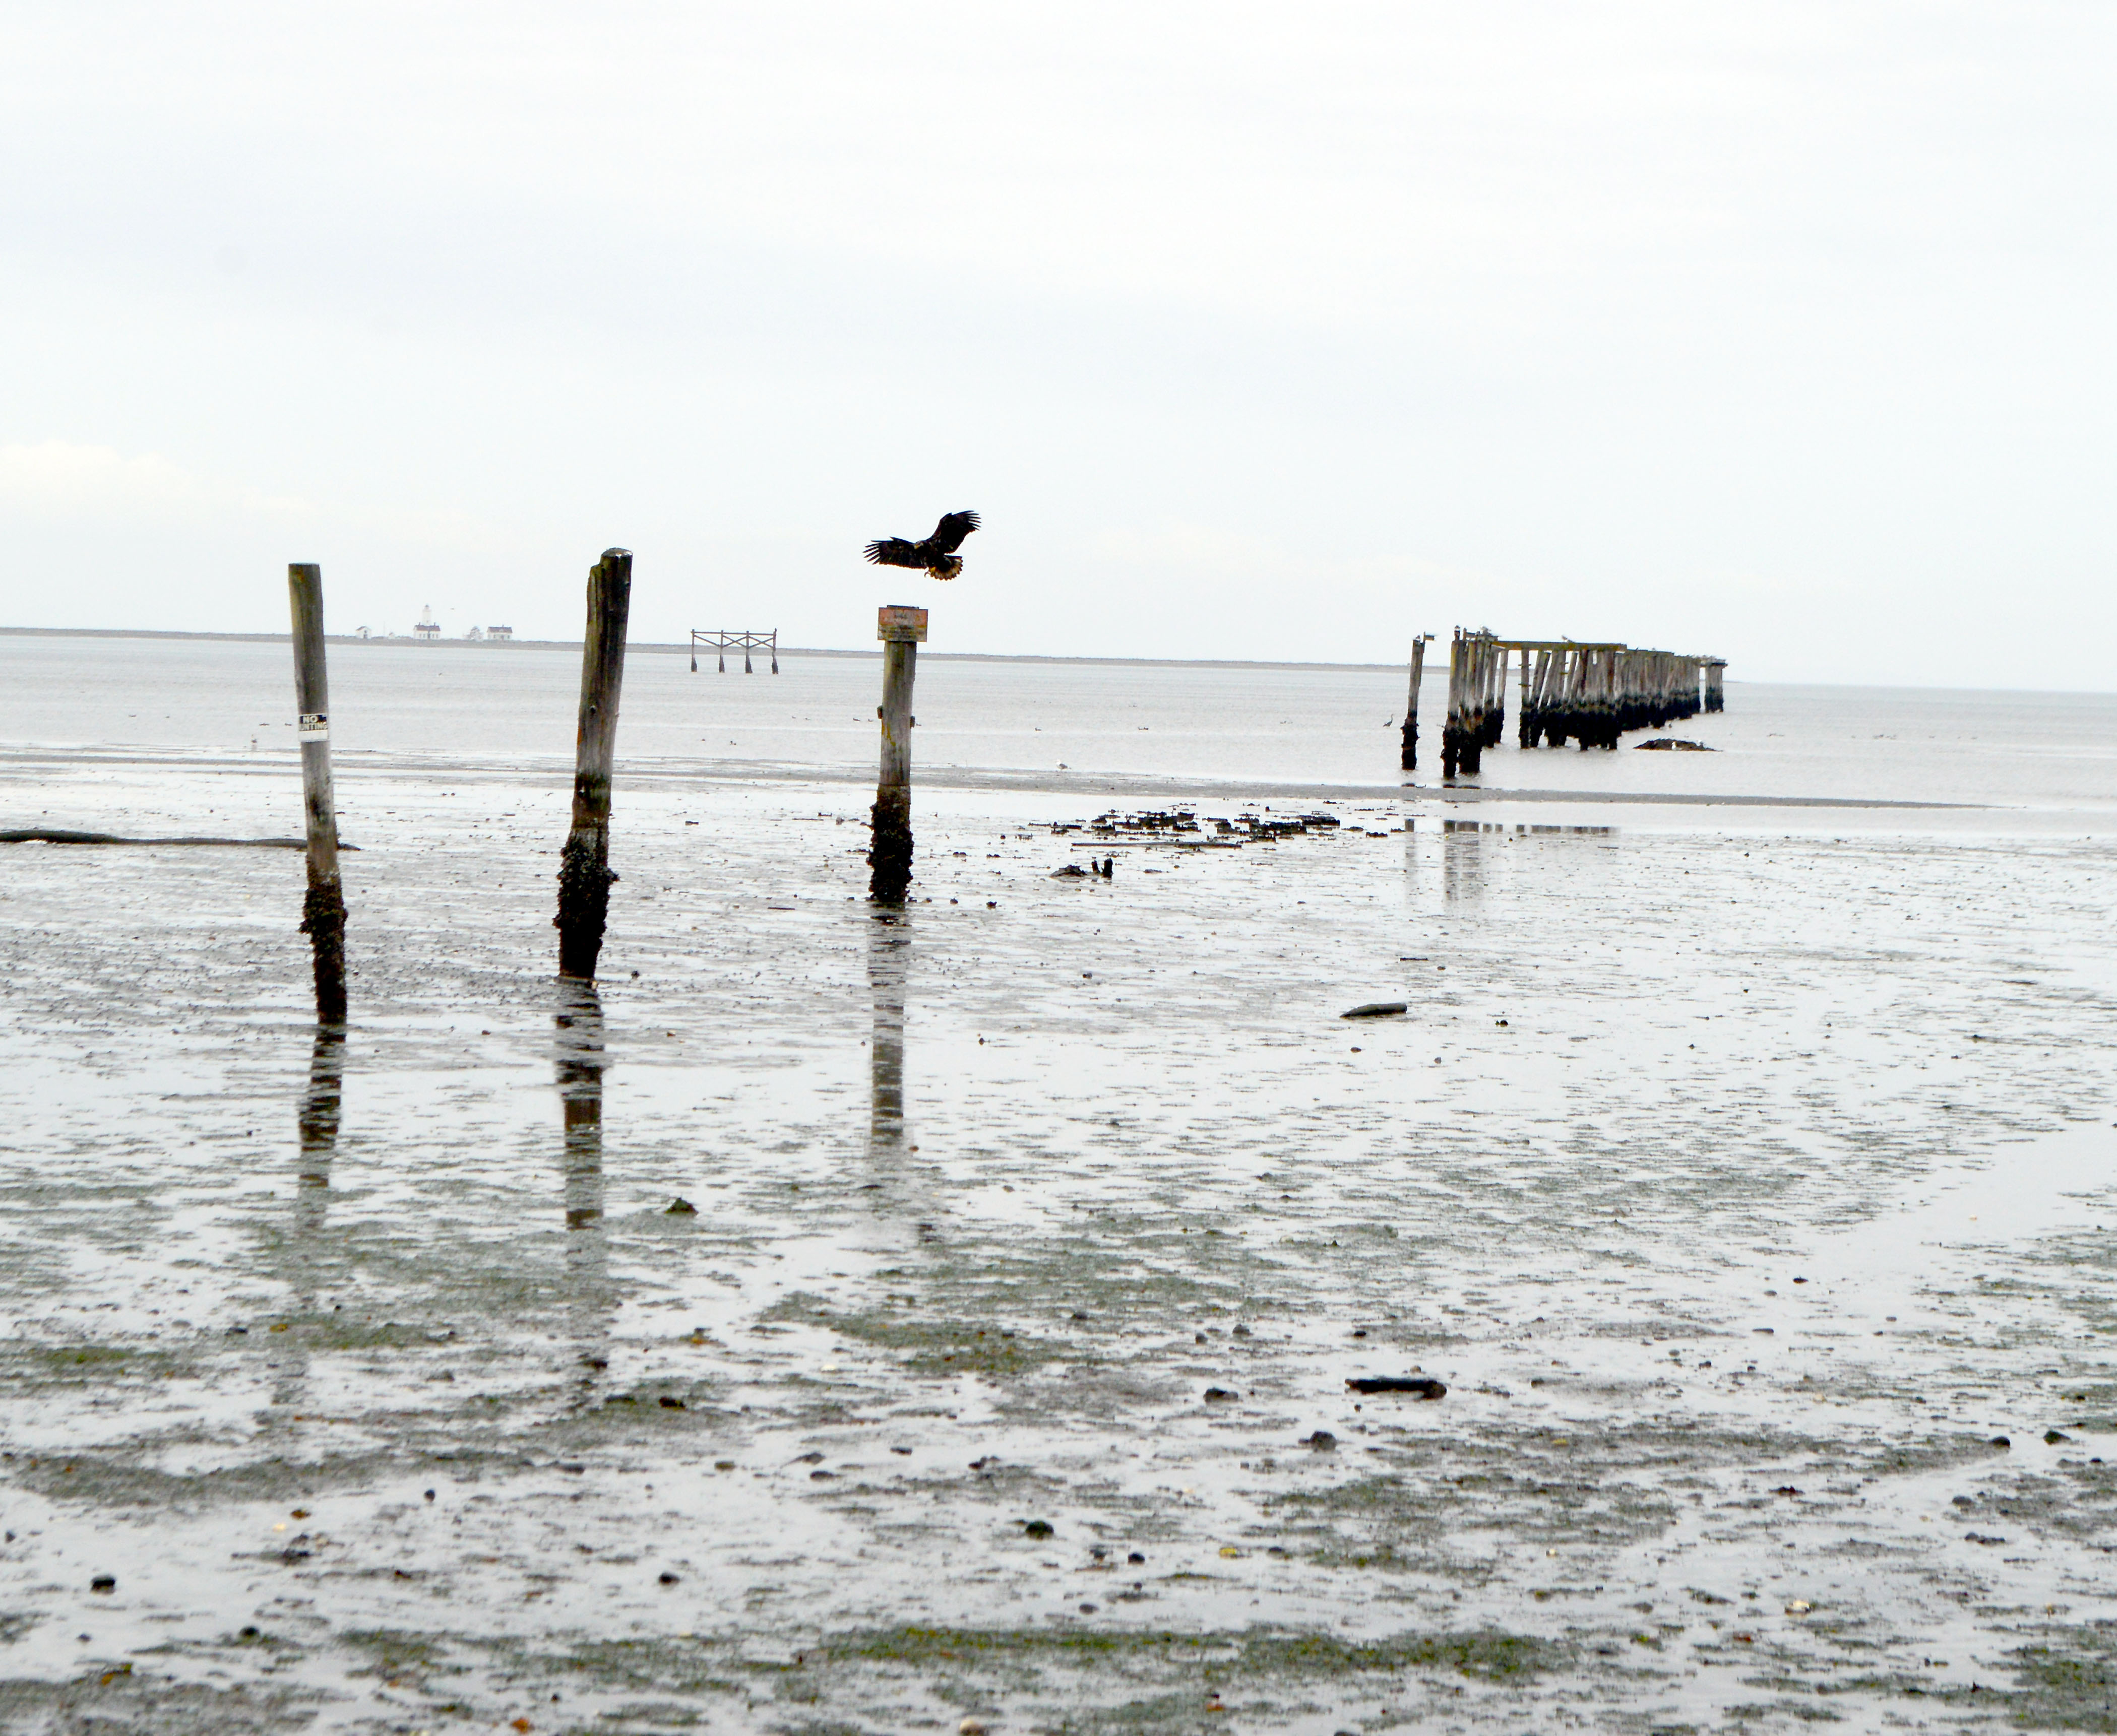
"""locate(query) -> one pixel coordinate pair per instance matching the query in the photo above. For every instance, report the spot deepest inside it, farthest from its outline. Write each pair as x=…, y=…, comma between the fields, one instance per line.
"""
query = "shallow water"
x=510, y=705
x=1743, y=1172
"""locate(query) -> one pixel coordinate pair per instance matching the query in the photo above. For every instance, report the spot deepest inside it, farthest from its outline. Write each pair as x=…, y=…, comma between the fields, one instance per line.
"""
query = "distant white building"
x=475, y=632
x=426, y=628
x=500, y=633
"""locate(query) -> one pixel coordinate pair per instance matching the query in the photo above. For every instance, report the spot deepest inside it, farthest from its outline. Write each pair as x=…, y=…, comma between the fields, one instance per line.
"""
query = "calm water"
x=1203, y=722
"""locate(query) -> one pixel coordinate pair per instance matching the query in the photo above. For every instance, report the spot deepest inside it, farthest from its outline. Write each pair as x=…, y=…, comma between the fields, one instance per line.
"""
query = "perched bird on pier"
x=937, y=553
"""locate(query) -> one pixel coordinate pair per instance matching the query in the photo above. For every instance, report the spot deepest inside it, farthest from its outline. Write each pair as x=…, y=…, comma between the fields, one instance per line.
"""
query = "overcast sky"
x=1781, y=332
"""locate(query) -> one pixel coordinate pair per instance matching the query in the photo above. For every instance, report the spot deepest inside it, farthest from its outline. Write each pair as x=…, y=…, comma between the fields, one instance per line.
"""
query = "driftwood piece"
x=59, y=835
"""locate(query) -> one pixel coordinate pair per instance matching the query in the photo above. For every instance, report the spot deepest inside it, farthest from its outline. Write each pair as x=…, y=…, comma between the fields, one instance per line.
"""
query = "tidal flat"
x=1750, y=1180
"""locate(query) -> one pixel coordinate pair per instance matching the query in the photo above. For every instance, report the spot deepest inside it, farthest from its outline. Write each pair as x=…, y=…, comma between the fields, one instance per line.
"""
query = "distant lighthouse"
x=427, y=628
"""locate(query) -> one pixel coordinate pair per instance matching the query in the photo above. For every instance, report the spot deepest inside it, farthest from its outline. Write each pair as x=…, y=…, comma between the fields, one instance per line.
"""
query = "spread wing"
x=894, y=552
x=949, y=533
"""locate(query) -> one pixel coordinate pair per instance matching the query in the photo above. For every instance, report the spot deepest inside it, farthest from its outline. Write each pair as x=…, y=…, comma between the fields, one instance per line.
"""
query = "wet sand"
x=1743, y=1180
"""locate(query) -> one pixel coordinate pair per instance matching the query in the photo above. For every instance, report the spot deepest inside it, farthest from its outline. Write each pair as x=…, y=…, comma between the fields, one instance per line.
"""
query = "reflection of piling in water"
x=901, y=1201
x=1462, y=861
x=584, y=875
x=317, y=1116
x=888, y=955
x=316, y=1121
x=900, y=627
x=579, y=1064
x=323, y=907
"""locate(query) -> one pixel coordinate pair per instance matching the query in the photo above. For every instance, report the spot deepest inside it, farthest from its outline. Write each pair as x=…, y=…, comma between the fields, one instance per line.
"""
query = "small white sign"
x=314, y=726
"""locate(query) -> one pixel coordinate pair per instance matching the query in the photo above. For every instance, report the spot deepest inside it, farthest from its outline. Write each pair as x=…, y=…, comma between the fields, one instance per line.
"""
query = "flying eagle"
x=937, y=553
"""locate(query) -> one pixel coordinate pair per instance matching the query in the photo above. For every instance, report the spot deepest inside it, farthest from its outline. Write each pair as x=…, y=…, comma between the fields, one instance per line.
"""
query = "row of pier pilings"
x=1476, y=700
x=1586, y=693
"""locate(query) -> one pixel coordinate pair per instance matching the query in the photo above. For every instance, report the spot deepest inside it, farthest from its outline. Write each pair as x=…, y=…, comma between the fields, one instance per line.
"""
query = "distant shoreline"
x=654, y=645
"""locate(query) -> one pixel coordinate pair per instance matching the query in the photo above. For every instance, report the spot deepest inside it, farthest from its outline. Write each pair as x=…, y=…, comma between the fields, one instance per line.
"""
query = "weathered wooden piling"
x=901, y=627
x=1476, y=701
x=1452, y=731
x=585, y=872
x=323, y=906
x=1715, y=699
x=1548, y=663
x=1493, y=723
x=1410, y=757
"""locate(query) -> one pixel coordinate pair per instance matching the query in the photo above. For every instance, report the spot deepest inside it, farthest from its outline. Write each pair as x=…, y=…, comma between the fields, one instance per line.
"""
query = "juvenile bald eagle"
x=937, y=553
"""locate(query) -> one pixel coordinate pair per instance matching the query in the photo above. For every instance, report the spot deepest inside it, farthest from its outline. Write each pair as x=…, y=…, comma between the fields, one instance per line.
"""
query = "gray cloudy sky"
x=1784, y=331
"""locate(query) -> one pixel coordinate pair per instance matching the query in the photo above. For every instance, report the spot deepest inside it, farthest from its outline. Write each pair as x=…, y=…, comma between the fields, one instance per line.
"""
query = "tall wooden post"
x=1411, y=758
x=1451, y=721
x=1468, y=708
x=901, y=629
x=584, y=875
x=323, y=907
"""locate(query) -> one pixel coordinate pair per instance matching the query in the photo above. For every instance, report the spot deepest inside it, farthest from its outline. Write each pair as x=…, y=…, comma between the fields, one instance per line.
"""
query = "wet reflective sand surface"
x=812, y=1329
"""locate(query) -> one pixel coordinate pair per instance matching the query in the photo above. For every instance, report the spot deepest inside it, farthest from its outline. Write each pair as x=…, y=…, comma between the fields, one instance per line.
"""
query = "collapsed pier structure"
x=1569, y=690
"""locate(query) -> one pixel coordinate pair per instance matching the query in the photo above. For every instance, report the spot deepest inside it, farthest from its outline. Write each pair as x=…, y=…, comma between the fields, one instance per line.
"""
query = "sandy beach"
x=859, y=1321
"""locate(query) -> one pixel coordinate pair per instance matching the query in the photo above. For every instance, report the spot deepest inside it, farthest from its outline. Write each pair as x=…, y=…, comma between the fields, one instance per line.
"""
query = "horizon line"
x=681, y=648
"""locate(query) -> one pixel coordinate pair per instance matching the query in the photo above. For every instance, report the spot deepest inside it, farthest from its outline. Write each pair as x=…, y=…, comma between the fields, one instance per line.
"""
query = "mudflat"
x=860, y=1320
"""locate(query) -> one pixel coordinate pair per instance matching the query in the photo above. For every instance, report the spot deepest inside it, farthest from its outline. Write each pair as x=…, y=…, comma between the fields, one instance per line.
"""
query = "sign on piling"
x=901, y=629
x=323, y=906
x=584, y=875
